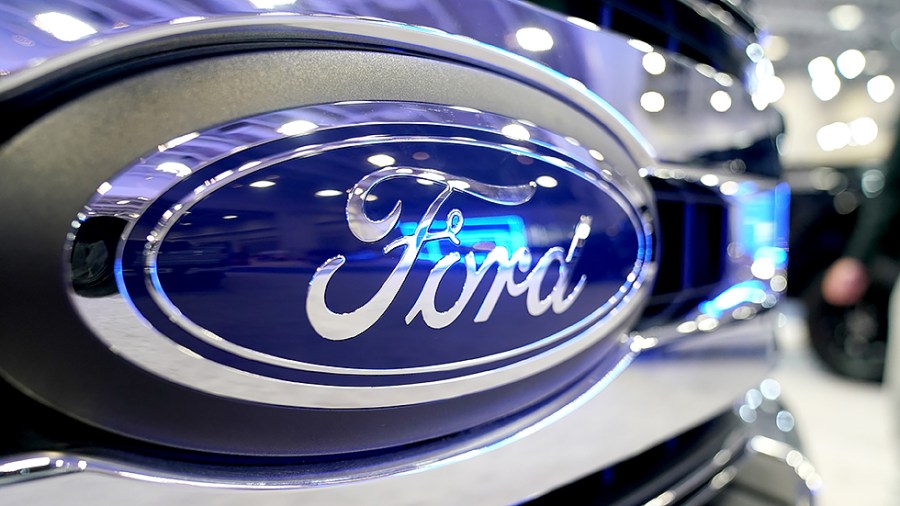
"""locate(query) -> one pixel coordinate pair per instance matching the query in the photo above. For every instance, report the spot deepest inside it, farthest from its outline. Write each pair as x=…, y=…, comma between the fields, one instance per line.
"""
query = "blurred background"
x=834, y=67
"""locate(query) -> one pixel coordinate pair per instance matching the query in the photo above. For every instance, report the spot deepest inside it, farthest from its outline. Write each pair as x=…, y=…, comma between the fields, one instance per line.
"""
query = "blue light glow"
x=747, y=291
x=481, y=234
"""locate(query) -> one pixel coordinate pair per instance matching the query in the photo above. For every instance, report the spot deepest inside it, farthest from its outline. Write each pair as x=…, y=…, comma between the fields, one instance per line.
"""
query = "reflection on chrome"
x=63, y=26
x=178, y=141
x=177, y=168
x=329, y=193
x=262, y=184
x=516, y=132
x=297, y=127
x=381, y=160
x=342, y=326
x=534, y=39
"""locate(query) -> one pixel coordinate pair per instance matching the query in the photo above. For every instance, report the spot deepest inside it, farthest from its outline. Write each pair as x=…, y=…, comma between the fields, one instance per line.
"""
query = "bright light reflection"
x=720, y=101
x=826, y=87
x=654, y=63
x=880, y=88
x=583, y=23
x=230, y=217
x=596, y=155
x=516, y=132
x=820, y=66
x=851, y=63
x=21, y=465
x=863, y=131
x=177, y=168
x=653, y=101
x=328, y=193
x=534, y=39
x=729, y=188
x=104, y=187
x=300, y=126
x=770, y=389
x=262, y=184
x=710, y=179
x=834, y=136
x=381, y=160
x=846, y=17
x=784, y=420
x=763, y=268
x=687, y=327
x=755, y=52
x=546, y=181
x=271, y=4
x=640, y=45
x=771, y=89
x=177, y=141
x=62, y=26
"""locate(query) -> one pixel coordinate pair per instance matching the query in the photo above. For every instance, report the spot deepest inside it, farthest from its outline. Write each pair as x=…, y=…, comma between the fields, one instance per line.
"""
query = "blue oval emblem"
x=418, y=261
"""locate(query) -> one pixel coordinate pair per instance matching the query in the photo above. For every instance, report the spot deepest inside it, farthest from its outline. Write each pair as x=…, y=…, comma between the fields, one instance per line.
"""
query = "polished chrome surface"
x=656, y=90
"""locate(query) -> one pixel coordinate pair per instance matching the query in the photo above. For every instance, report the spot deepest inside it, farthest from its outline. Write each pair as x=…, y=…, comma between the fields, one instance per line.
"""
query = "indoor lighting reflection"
x=583, y=23
x=846, y=17
x=880, y=88
x=328, y=193
x=863, y=131
x=177, y=141
x=741, y=293
x=381, y=160
x=230, y=217
x=24, y=464
x=516, y=132
x=653, y=101
x=546, y=181
x=63, y=26
x=640, y=45
x=534, y=39
x=177, y=168
x=300, y=126
x=851, y=63
x=654, y=63
x=104, y=187
x=720, y=101
x=826, y=87
x=271, y=4
x=820, y=66
x=833, y=136
x=729, y=188
x=262, y=184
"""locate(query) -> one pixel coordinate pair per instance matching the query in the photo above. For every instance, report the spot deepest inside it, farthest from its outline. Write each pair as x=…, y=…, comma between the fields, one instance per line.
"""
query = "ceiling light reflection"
x=262, y=184
x=63, y=26
x=177, y=168
x=653, y=101
x=381, y=160
x=654, y=63
x=851, y=63
x=640, y=45
x=297, y=127
x=271, y=4
x=516, y=132
x=328, y=193
x=534, y=39
x=546, y=181
x=880, y=88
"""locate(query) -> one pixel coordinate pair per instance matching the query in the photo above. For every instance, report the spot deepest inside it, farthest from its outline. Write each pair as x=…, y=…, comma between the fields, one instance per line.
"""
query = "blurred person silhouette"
x=869, y=264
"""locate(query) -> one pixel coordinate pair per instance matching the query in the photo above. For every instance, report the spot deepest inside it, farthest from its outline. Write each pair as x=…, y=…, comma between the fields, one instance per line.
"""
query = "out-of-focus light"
x=516, y=132
x=63, y=26
x=846, y=17
x=872, y=182
x=262, y=184
x=381, y=160
x=687, y=327
x=851, y=63
x=271, y=4
x=845, y=202
x=729, y=187
x=826, y=87
x=771, y=89
x=833, y=136
x=596, y=155
x=755, y=52
x=710, y=179
x=300, y=126
x=770, y=389
x=776, y=47
x=763, y=268
x=764, y=69
x=778, y=283
x=708, y=324
x=820, y=66
x=653, y=101
x=534, y=39
x=328, y=193
x=880, y=88
x=583, y=23
x=863, y=131
x=640, y=45
x=759, y=101
x=720, y=101
x=784, y=420
x=546, y=181
x=177, y=168
x=724, y=79
x=654, y=63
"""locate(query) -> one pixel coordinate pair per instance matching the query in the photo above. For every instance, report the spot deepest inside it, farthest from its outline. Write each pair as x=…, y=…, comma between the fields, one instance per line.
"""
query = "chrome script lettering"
x=342, y=326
